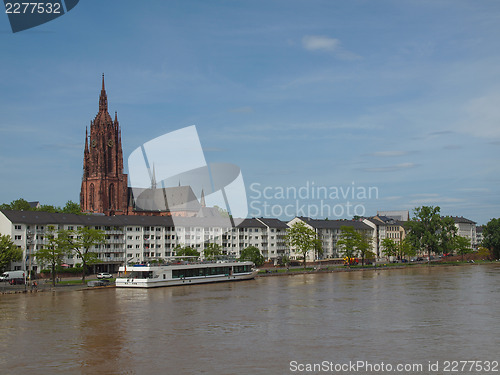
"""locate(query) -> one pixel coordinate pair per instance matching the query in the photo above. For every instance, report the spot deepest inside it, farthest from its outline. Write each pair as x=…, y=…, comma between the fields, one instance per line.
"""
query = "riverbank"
x=44, y=285
x=279, y=271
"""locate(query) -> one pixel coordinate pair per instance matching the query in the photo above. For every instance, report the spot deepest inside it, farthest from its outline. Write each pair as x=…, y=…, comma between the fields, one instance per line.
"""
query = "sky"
x=394, y=100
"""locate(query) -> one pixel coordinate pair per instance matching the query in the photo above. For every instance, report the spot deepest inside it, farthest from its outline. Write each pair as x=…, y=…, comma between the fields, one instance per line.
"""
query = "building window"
x=18, y=237
x=17, y=227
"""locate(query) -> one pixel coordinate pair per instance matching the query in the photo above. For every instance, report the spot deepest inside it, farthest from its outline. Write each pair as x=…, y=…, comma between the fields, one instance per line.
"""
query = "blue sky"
x=399, y=95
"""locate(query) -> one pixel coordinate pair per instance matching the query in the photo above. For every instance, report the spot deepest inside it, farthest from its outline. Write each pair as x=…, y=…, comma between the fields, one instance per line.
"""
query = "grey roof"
x=179, y=198
x=335, y=224
x=46, y=218
x=250, y=223
x=386, y=220
x=273, y=223
x=462, y=219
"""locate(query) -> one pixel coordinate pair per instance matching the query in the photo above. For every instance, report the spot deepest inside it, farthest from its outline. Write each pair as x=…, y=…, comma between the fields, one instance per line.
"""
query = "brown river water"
x=427, y=317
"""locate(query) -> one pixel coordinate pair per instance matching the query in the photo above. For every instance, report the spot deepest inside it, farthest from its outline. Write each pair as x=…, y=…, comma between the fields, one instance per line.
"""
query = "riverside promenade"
x=45, y=285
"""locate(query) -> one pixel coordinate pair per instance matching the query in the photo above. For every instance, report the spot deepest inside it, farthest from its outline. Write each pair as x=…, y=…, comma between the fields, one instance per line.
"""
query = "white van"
x=9, y=275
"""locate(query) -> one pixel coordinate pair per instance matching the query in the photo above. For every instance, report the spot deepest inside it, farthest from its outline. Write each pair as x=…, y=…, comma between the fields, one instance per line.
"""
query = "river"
x=272, y=325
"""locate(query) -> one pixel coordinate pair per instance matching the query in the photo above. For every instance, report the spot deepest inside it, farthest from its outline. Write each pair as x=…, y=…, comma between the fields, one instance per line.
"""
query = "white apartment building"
x=385, y=227
x=135, y=239
x=466, y=228
x=328, y=232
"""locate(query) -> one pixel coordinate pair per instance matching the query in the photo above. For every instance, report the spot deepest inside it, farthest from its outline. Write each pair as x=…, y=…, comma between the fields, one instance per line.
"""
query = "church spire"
x=103, y=99
x=202, y=199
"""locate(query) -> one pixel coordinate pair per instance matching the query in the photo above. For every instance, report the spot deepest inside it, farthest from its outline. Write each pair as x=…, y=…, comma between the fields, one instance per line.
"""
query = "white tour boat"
x=184, y=273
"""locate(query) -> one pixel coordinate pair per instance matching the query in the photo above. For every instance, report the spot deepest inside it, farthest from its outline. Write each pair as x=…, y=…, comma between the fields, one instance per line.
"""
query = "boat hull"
x=151, y=283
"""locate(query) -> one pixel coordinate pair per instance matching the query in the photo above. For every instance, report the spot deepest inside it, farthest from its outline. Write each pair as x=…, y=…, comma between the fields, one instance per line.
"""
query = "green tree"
x=491, y=237
x=447, y=234
x=253, y=254
x=80, y=241
x=71, y=208
x=406, y=249
x=212, y=251
x=429, y=232
x=354, y=243
x=9, y=252
x=53, y=252
x=17, y=205
x=462, y=246
x=348, y=239
x=186, y=251
x=389, y=247
x=48, y=208
x=318, y=248
x=302, y=238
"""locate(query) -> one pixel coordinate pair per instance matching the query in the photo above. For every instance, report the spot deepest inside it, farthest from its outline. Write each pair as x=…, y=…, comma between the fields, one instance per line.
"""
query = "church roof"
x=179, y=198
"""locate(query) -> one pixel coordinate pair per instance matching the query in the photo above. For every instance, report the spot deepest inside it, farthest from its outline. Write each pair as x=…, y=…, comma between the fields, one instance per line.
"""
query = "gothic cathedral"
x=104, y=185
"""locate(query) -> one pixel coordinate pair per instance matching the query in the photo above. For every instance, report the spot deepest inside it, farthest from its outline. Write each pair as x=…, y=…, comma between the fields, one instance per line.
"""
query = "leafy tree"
x=17, y=205
x=302, y=238
x=318, y=248
x=348, y=239
x=53, y=252
x=212, y=251
x=71, y=208
x=48, y=208
x=253, y=254
x=23, y=205
x=364, y=247
x=491, y=237
x=186, y=251
x=428, y=231
x=462, y=246
x=80, y=242
x=484, y=253
x=285, y=260
x=390, y=248
x=406, y=249
x=8, y=252
x=354, y=243
x=447, y=234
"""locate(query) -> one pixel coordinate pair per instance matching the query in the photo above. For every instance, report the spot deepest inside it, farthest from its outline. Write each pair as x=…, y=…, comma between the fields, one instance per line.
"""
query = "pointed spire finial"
x=103, y=99
x=202, y=199
x=153, y=179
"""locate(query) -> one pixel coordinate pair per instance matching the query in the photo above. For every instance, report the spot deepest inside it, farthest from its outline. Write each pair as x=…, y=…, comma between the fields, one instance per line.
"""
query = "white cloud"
x=318, y=42
x=327, y=44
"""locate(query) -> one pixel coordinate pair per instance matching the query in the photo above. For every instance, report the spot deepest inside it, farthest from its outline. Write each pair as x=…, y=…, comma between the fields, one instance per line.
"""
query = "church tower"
x=104, y=185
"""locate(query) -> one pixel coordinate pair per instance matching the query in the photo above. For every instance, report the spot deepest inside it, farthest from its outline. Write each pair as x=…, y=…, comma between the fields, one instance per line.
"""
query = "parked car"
x=104, y=275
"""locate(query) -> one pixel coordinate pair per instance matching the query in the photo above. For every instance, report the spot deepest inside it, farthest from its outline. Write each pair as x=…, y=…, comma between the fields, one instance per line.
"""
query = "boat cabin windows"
x=197, y=272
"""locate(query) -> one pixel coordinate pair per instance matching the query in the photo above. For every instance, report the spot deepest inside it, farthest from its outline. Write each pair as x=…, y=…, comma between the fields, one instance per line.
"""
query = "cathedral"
x=105, y=187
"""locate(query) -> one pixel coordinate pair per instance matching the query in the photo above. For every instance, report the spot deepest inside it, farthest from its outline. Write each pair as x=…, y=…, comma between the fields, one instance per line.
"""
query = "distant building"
x=385, y=227
x=403, y=215
x=466, y=228
x=479, y=236
x=328, y=232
